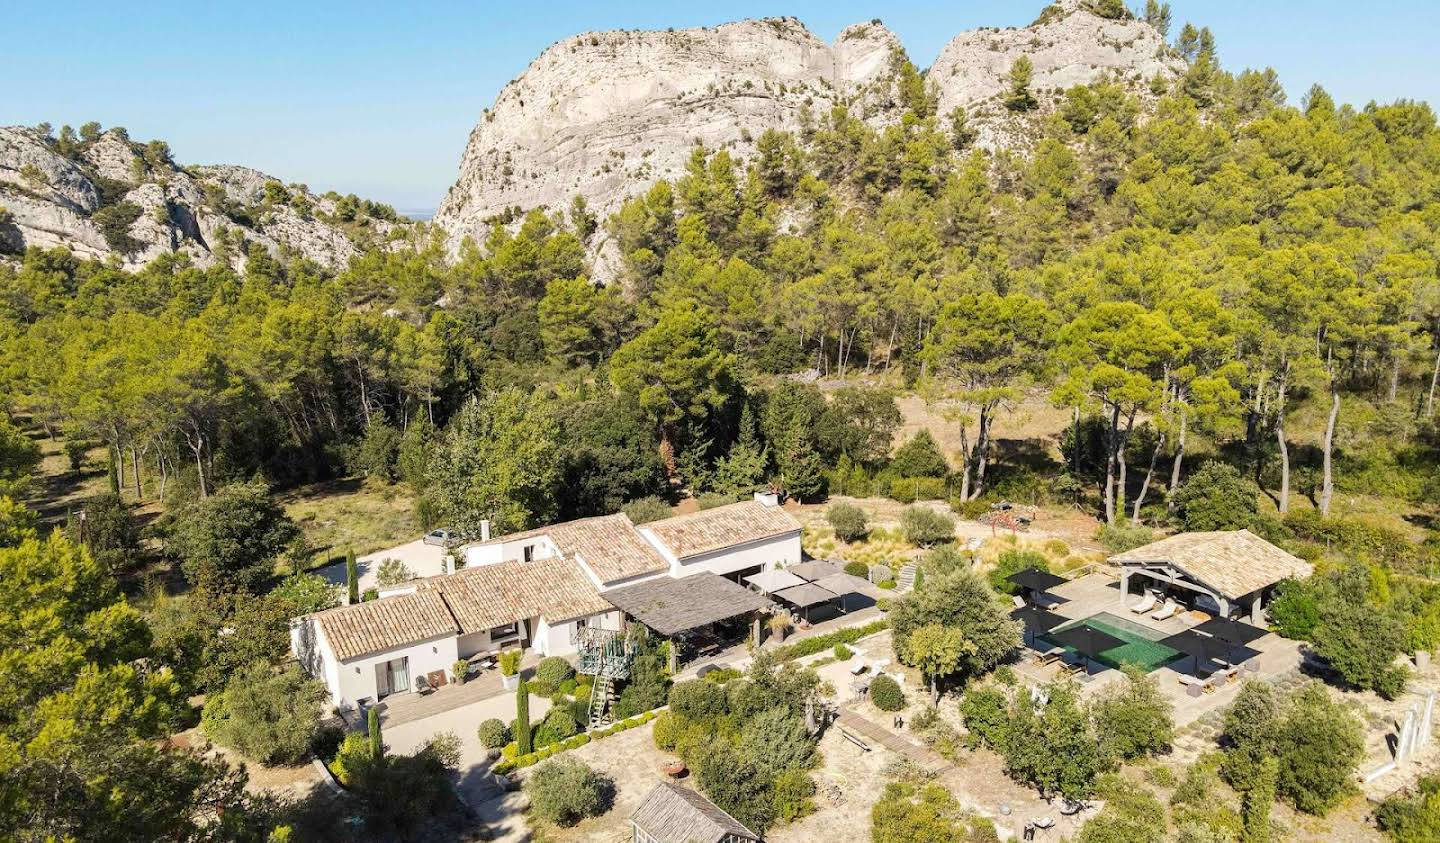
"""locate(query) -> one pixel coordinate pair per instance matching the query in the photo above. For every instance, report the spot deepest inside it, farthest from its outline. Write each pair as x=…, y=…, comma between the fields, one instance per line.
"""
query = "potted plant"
x=779, y=623
x=460, y=670
x=510, y=668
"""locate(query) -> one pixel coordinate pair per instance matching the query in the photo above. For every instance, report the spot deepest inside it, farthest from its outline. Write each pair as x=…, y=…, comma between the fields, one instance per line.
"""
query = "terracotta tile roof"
x=487, y=596
x=721, y=527
x=385, y=624
x=609, y=544
x=675, y=814
x=1233, y=562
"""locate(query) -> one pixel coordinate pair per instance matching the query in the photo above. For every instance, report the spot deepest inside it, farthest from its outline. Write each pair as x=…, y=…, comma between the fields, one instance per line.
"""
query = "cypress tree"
x=110, y=468
x=1255, y=803
x=523, y=746
x=352, y=577
x=372, y=723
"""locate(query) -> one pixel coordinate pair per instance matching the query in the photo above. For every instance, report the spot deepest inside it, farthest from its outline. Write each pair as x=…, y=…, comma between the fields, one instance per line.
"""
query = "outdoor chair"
x=1194, y=686
x=858, y=665
x=1145, y=605
x=1167, y=612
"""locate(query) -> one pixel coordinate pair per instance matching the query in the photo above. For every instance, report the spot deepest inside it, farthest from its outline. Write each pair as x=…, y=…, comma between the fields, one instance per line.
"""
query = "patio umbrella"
x=1207, y=647
x=1232, y=631
x=1085, y=640
x=1036, y=620
x=1035, y=579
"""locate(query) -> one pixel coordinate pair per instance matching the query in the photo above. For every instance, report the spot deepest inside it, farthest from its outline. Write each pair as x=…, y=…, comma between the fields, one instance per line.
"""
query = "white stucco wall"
x=356, y=679
x=506, y=551
x=555, y=639
x=781, y=550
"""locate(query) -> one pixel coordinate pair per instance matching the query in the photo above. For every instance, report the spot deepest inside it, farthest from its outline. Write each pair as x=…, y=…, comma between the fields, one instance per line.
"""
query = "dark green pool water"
x=1142, y=645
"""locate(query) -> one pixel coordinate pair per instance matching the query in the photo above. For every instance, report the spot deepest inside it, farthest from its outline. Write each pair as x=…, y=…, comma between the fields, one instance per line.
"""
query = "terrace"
x=1094, y=601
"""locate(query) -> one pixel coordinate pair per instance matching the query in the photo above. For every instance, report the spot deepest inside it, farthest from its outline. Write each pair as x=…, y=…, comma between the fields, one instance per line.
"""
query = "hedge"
x=512, y=762
x=820, y=643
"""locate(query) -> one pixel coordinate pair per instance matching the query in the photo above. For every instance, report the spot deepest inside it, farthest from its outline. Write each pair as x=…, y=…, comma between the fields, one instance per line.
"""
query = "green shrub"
x=493, y=733
x=553, y=671
x=985, y=712
x=723, y=675
x=645, y=510
x=920, y=457
x=857, y=569
x=821, y=643
x=969, y=510
x=923, y=526
x=268, y=716
x=885, y=693
x=1012, y=562
x=888, y=585
x=912, y=489
x=842, y=652
x=1412, y=817
x=559, y=724
x=697, y=700
x=793, y=795
x=1217, y=497
x=848, y=521
x=1123, y=537
x=565, y=791
x=669, y=726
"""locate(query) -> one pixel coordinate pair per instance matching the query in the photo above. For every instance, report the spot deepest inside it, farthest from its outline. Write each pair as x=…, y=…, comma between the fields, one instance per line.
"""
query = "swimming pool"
x=1142, y=645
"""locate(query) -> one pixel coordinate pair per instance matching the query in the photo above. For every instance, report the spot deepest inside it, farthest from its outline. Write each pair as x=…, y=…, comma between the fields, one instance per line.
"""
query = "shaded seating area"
x=804, y=596
x=702, y=611
x=1037, y=584
x=816, y=583
x=1085, y=641
x=1215, y=658
x=772, y=581
x=1223, y=573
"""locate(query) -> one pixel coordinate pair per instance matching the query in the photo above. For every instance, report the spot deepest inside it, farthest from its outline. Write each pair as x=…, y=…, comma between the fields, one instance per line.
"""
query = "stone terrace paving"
x=1100, y=592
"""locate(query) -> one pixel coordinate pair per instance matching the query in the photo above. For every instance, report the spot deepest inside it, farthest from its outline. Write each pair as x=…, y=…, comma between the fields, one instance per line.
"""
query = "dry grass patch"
x=352, y=515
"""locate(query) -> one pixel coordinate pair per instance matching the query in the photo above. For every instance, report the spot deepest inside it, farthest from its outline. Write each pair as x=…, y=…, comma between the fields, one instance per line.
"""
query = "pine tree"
x=1021, y=74
x=1158, y=15
x=110, y=469
x=372, y=724
x=352, y=577
x=523, y=745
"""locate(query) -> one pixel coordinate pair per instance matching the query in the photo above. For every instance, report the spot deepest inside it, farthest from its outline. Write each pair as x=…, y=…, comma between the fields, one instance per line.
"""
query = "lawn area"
x=352, y=514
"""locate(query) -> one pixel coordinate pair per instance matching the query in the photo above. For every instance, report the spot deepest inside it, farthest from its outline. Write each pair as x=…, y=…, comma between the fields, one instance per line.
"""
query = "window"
x=506, y=631
x=529, y=553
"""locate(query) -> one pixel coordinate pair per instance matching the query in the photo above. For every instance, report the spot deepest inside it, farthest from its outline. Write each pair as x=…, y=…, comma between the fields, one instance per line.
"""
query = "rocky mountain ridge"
x=604, y=115
x=107, y=195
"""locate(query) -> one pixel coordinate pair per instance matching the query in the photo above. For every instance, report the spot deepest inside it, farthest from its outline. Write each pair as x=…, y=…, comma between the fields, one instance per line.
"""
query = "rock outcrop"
x=1067, y=46
x=112, y=197
x=604, y=115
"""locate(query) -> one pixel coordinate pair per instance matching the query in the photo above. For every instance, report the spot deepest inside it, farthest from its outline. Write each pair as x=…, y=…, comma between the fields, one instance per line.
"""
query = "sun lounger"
x=1045, y=601
x=1145, y=605
x=1166, y=612
x=1018, y=601
x=858, y=667
x=1049, y=655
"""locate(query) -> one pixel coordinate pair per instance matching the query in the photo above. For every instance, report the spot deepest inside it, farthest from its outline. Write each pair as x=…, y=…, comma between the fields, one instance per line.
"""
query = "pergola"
x=814, y=569
x=1230, y=567
x=673, y=606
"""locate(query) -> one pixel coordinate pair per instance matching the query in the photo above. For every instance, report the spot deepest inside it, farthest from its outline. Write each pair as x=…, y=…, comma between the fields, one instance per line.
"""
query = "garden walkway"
x=923, y=757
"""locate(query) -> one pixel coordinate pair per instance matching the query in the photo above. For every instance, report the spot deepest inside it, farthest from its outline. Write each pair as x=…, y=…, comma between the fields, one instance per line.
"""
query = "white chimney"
x=767, y=498
x=485, y=530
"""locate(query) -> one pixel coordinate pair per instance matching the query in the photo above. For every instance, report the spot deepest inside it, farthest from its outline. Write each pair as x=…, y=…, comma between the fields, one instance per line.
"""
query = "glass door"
x=400, y=674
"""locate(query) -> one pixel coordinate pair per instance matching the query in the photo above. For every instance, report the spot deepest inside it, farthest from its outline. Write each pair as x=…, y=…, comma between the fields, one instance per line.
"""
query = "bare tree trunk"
x=966, y=460
x=1111, y=443
x=1434, y=378
x=982, y=454
x=1327, y=487
x=1145, y=486
x=1179, y=452
x=890, y=349
x=135, y=473
x=1394, y=379
x=1284, y=504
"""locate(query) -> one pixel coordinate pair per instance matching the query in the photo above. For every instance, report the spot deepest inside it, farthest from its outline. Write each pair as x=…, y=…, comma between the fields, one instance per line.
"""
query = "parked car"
x=441, y=537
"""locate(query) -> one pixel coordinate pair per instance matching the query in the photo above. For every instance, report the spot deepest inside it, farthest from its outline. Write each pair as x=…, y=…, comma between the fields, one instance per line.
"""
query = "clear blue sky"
x=378, y=98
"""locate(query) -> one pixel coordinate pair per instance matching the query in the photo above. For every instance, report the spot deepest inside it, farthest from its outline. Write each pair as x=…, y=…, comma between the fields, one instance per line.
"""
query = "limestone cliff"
x=604, y=115
x=110, y=196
